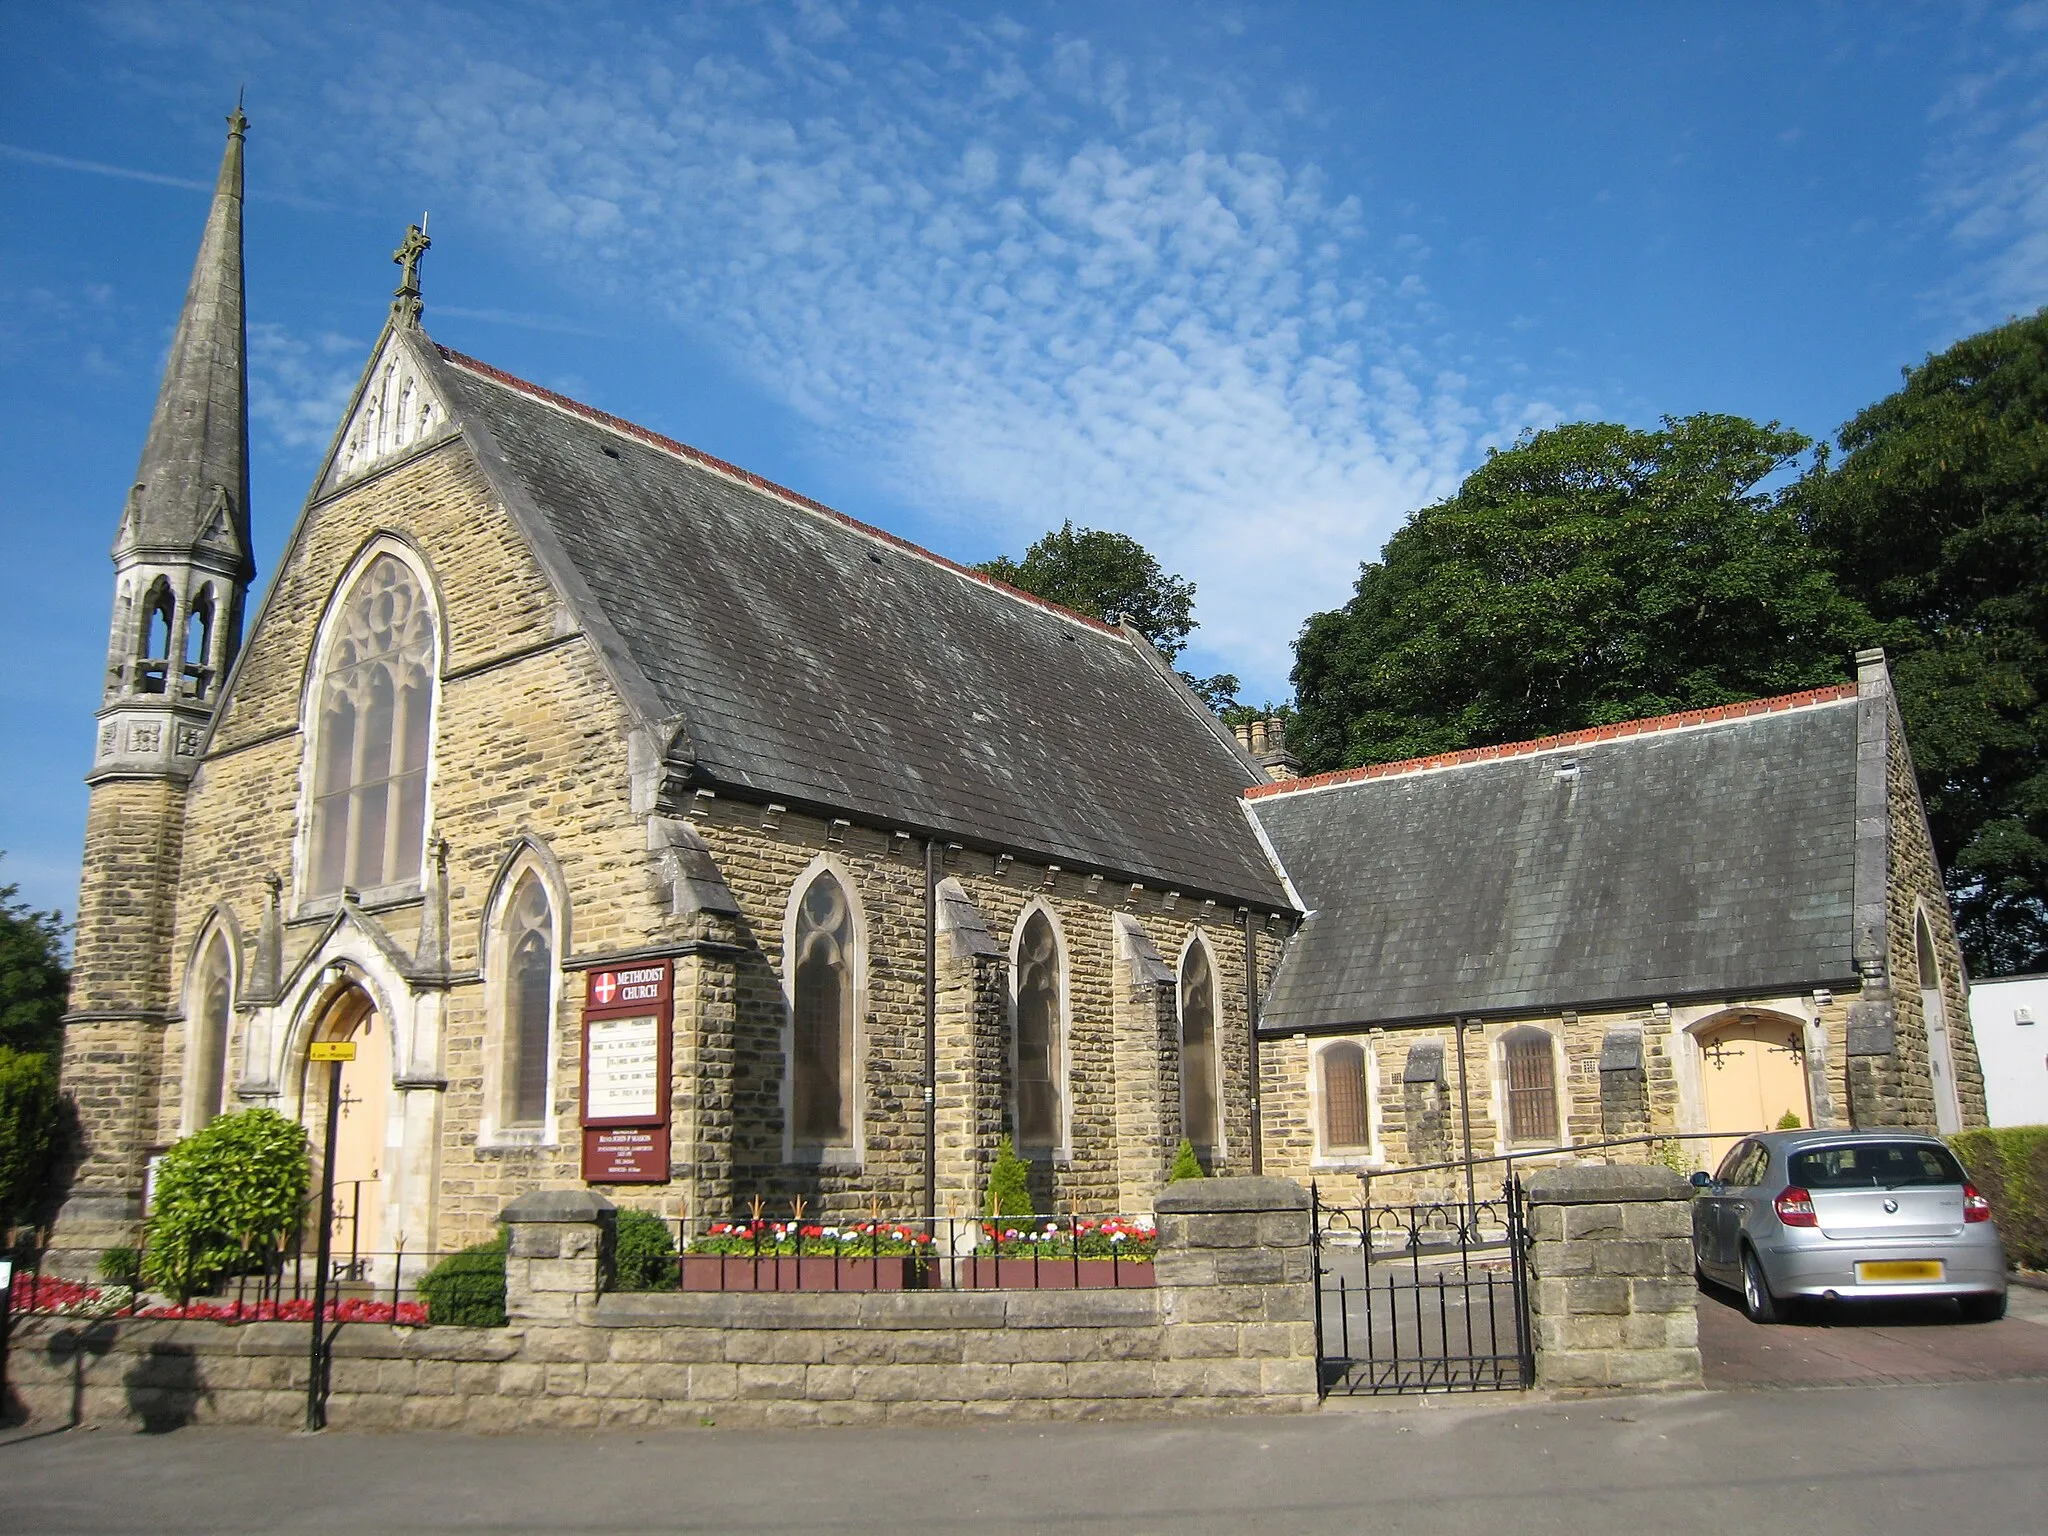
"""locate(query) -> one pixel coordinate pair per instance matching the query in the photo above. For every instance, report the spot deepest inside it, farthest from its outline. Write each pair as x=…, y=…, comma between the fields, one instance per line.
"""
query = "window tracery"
x=1198, y=1099
x=1038, y=1045
x=375, y=719
x=823, y=1102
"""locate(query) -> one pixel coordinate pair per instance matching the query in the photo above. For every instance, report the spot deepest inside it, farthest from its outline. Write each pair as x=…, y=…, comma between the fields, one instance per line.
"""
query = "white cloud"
x=299, y=386
x=1019, y=277
x=1990, y=177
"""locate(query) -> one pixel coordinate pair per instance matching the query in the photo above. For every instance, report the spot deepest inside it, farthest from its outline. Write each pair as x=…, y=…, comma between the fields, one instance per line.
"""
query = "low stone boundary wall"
x=1612, y=1297
x=1227, y=1328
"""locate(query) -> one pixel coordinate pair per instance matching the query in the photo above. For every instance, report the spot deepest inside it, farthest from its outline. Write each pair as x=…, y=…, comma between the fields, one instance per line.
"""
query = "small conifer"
x=1009, y=1192
x=1185, y=1164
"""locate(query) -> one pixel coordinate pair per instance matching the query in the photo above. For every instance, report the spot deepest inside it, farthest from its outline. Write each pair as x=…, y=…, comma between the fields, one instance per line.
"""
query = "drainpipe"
x=931, y=1038
x=1251, y=1013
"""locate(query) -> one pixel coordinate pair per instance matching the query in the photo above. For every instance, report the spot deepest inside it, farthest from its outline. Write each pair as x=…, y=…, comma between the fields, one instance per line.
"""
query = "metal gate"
x=1431, y=1297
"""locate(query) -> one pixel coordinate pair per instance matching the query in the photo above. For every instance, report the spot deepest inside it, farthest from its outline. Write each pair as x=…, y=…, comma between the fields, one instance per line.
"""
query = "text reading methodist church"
x=648, y=825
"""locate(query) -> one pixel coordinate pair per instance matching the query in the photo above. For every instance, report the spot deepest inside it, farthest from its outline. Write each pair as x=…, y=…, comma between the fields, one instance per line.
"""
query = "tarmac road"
x=1952, y=1459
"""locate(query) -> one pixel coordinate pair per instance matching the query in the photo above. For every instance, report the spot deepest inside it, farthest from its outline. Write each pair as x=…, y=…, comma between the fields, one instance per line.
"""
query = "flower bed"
x=789, y=1239
x=1127, y=1239
x=51, y=1296
x=349, y=1309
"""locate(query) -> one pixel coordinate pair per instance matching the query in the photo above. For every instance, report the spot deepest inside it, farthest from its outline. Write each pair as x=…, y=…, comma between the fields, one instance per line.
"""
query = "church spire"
x=193, y=480
x=182, y=562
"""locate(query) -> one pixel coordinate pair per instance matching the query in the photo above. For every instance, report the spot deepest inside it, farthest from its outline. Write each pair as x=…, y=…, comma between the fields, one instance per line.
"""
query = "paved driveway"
x=1872, y=1345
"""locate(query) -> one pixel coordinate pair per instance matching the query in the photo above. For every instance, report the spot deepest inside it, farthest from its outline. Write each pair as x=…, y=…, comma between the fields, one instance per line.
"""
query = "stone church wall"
x=530, y=741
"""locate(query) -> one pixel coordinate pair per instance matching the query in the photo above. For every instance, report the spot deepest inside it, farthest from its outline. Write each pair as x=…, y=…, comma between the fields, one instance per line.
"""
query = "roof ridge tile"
x=1806, y=698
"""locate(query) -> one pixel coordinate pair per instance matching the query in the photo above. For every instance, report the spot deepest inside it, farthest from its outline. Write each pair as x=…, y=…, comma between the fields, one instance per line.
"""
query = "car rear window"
x=1874, y=1165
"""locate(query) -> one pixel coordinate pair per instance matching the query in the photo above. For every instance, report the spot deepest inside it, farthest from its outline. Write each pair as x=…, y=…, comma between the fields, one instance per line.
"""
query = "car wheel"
x=1982, y=1309
x=1757, y=1300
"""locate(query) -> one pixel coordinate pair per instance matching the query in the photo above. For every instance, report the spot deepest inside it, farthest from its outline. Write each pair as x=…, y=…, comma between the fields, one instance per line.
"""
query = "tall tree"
x=1589, y=574
x=33, y=980
x=1109, y=576
x=1936, y=516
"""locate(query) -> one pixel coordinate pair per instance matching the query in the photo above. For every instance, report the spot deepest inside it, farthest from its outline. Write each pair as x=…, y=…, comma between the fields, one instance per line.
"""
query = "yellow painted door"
x=359, y=1151
x=1752, y=1074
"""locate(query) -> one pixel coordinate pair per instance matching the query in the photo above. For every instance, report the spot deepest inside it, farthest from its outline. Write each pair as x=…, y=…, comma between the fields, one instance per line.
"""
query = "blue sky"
x=1248, y=282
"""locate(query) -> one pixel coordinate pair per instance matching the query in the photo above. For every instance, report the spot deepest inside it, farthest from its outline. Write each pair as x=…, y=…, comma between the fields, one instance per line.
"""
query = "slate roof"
x=822, y=663
x=1703, y=854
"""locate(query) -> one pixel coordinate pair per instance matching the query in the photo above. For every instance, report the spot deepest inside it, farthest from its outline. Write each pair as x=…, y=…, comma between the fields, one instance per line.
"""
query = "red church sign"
x=628, y=1026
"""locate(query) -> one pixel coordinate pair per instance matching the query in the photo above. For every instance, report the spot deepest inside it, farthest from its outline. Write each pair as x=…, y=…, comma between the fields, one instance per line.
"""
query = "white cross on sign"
x=606, y=988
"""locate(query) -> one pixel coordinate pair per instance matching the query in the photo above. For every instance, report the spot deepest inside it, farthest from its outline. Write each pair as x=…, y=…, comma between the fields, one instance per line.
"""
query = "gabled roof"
x=793, y=654
x=1697, y=854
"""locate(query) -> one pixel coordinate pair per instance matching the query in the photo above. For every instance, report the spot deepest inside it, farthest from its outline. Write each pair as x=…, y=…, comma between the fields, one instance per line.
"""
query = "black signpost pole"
x=316, y=1359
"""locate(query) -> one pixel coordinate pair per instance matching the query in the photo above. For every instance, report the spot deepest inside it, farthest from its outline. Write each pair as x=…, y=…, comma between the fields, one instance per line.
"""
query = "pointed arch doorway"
x=1752, y=1075
x=361, y=1158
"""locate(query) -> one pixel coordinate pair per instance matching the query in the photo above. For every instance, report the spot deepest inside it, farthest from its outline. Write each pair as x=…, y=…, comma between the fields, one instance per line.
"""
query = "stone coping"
x=878, y=1309
x=1200, y=1197
x=1602, y=1185
x=557, y=1205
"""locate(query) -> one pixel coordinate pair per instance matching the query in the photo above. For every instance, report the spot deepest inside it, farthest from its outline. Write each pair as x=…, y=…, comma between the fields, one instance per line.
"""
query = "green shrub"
x=29, y=1110
x=224, y=1195
x=1185, y=1164
x=643, y=1254
x=120, y=1266
x=2009, y=1166
x=1790, y=1121
x=467, y=1289
x=1009, y=1187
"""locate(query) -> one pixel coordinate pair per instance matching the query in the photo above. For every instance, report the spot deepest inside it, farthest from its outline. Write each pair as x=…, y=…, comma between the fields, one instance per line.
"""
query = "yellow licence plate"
x=1898, y=1269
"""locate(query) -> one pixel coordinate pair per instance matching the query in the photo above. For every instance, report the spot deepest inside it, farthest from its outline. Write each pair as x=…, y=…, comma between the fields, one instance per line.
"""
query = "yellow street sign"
x=331, y=1050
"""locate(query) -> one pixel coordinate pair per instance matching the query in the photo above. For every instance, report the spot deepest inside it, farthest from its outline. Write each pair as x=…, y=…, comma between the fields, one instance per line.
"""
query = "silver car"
x=1846, y=1215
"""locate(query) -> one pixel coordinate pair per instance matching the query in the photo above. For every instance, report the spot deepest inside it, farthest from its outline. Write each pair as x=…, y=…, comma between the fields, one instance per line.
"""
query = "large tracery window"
x=1532, y=1086
x=822, y=1101
x=207, y=1069
x=1038, y=1042
x=375, y=719
x=529, y=993
x=1347, y=1126
x=1198, y=1048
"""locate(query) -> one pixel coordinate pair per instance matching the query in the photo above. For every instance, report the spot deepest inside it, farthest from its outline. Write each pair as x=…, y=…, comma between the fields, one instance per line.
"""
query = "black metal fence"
x=1429, y=1297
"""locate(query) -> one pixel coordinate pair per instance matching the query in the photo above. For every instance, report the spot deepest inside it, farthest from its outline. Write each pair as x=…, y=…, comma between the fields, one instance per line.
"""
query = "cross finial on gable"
x=406, y=303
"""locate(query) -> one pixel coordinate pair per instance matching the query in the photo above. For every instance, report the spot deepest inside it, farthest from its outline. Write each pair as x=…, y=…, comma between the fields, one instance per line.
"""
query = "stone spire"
x=182, y=564
x=195, y=461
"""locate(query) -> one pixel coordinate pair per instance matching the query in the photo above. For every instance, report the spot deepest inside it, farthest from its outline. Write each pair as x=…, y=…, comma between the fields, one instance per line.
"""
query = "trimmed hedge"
x=467, y=1289
x=2010, y=1169
x=644, y=1255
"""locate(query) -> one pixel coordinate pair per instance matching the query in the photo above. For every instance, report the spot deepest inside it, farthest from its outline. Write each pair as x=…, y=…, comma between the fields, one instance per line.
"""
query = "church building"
x=648, y=826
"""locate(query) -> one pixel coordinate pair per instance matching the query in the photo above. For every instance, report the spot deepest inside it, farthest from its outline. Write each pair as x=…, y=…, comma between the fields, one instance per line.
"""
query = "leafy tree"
x=229, y=1190
x=29, y=1118
x=1936, y=517
x=1109, y=576
x=1009, y=1192
x=33, y=980
x=1589, y=574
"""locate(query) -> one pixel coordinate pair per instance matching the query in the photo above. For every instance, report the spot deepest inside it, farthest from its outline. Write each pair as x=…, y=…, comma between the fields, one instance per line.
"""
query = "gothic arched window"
x=1531, y=1065
x=1038, y=1044
x=199, y=643
x=528, y=936
x=1346, y=1125
x=153, y=668
x=823, y=1104
x=375, y=717
x=1198, y=1048
x=206, y=1071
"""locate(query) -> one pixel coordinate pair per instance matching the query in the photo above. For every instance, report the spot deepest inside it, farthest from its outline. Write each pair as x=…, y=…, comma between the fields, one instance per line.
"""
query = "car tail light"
x=1795, y=1207
x=1975, y=1206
